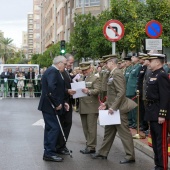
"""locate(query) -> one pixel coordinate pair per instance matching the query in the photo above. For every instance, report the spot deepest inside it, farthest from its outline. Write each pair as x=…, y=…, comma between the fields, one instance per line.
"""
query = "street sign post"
x=153, y=29
x=113, y=31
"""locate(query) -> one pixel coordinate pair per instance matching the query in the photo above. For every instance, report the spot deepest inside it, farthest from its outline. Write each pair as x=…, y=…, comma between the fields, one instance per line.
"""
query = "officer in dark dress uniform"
x=158, y=98
x=143, y=124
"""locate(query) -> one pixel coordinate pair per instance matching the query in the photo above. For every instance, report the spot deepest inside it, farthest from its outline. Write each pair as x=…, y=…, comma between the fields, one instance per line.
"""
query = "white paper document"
x=78, y=86
x=108, y=119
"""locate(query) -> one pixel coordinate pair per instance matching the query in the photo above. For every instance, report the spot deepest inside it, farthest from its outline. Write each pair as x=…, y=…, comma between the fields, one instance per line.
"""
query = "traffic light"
x=62, y=47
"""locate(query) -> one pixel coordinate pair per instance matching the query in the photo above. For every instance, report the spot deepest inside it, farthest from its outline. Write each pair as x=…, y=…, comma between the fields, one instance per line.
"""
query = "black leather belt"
x=151, y=101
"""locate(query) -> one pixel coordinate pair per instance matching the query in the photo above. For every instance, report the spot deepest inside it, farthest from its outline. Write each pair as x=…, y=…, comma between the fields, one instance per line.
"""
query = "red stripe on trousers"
x=164, y=145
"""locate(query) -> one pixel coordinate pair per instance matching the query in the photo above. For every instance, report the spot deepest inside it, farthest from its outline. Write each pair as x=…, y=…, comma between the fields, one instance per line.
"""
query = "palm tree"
x=5, y=43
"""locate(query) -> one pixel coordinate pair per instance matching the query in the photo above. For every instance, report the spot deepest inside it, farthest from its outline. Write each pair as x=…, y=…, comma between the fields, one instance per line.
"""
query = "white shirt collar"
x=55, y=66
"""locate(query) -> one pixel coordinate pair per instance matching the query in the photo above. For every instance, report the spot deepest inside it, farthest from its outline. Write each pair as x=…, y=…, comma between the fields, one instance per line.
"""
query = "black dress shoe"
x=63, y=152
x=98, y=156
x=126, y=161
x=52, y=158
x=66, y=149
x=86, y=151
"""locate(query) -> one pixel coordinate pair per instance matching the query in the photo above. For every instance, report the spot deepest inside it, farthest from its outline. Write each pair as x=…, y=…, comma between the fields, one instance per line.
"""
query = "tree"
x=5, y=43
x=99, y=44
x=88, y=40
x=45, y=59
x=159, y=10
x=17, y=58
x=80, y=38
x=131, y=14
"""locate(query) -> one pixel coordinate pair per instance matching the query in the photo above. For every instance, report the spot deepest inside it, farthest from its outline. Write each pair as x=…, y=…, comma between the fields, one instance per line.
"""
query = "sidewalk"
x=142, y=145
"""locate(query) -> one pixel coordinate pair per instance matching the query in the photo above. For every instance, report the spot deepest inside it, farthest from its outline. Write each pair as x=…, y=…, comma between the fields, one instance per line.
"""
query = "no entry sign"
x=153, y=29
x=113, y=30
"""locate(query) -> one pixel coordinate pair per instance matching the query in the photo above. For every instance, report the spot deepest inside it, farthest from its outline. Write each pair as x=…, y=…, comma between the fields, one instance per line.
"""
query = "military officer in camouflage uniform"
x=116, y=100
x=104, y=74
x=101, y=62
x=88, y=107
x=131, y=88
x=122, y=66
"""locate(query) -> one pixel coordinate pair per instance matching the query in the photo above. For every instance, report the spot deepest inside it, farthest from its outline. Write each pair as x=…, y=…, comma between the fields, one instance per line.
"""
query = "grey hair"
x=58, y=59
x=67, y=56
x=115, y=60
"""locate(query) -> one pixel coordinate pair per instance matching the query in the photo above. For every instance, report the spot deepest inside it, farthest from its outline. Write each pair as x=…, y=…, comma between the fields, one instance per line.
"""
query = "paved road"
x=21, y=143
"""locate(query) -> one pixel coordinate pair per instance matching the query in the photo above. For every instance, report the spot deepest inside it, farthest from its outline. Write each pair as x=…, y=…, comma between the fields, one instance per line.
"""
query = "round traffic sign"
x=153, y=29
x=113, y=30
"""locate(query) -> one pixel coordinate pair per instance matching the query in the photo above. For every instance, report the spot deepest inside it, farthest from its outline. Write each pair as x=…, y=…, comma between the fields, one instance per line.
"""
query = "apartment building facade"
x=66, y=10
x=37, y=26
x=54, y=19
x=30, y=25
x=24, y=47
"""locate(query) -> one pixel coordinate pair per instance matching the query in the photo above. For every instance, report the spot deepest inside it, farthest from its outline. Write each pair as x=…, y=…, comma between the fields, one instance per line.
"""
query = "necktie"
x=68, y=75
x=31, y=75
x=61, y=76
x=84, y=78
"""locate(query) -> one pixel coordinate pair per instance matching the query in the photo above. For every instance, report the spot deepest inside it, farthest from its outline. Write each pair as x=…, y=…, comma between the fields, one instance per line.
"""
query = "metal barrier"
x=10, y=88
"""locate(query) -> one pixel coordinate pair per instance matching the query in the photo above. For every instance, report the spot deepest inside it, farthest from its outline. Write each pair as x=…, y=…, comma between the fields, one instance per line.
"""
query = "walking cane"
x=53, y=106
x=138, y=136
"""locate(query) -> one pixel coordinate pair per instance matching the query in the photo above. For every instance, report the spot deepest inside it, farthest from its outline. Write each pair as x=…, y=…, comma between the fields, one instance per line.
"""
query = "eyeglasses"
x=63, y=63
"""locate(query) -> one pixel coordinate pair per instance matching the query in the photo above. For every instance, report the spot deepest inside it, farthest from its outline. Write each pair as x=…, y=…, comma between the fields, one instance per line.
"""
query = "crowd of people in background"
x=112, y=84
x=15, y=83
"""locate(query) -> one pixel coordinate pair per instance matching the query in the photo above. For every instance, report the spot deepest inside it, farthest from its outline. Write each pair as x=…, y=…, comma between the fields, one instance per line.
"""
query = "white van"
x=21, y=66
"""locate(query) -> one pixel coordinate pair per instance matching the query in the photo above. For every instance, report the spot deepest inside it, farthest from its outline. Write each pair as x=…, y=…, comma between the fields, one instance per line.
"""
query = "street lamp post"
x=82, y=6
x=41, y=37
x=55, y=6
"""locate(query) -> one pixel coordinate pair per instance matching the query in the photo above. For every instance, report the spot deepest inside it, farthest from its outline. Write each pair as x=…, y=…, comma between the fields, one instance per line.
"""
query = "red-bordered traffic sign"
x=153, y=29
x=113, y=30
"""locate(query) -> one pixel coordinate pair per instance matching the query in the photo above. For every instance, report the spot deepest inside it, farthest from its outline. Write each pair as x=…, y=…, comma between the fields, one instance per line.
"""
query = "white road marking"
x=39, y=123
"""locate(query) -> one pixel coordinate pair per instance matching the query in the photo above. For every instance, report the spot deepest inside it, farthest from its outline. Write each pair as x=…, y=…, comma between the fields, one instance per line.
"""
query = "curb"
x=145, y=149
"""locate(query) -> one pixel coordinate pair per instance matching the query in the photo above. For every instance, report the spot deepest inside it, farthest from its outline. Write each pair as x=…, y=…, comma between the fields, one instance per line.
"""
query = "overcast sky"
x=13, y=18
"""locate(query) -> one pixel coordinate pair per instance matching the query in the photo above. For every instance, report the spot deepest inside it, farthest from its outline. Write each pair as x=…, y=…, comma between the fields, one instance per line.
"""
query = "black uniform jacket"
x=53, y=83
x=140, y=79
x=157, y=96
x=68, y=81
